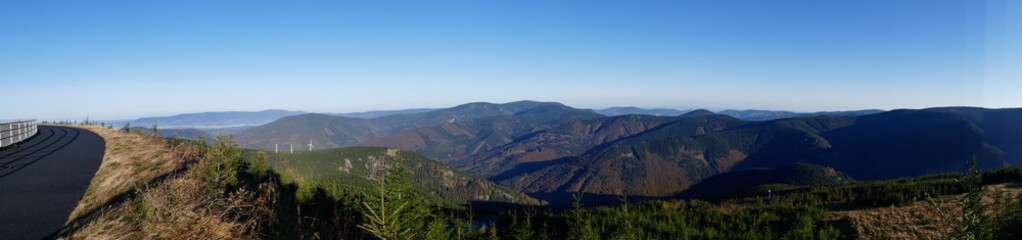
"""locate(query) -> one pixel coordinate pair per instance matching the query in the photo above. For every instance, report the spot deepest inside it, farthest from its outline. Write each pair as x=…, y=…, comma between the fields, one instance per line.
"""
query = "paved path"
x=43, y=178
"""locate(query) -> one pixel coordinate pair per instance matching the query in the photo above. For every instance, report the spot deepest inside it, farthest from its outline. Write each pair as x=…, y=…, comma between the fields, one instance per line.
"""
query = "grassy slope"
x=918, y=220
x=130, y=160
x=145, y=189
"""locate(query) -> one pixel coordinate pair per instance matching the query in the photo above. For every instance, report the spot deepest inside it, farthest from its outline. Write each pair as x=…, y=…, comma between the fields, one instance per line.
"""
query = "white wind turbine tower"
x=310, y=145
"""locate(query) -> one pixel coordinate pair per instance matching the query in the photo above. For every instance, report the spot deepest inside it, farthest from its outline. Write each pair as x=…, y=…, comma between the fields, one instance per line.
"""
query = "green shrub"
x=1009, y=221
x=220, y=164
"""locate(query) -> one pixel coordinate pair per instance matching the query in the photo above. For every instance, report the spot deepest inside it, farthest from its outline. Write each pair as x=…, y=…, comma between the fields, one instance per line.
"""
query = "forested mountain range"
x=329, y=131
x=539, y=147
x=662, y=156
x=901, y=143
x=240, y=120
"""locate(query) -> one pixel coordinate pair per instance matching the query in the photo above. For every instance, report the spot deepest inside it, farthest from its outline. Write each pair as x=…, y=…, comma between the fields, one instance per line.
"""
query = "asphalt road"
x=43, y=178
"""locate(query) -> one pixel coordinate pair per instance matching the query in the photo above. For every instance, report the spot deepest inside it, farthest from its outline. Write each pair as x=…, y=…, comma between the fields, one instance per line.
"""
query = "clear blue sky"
x=126, y=59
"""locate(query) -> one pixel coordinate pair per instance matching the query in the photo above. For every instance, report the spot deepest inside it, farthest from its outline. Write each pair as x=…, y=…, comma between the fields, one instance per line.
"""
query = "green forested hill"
x=322, y=130
x=1002, y=128
x=328, y=131
x=900, y=143
x=665, y=160
x=456, y=141
x=569, y=139
x=354, y=170
x=576, y=138
x=464, y=112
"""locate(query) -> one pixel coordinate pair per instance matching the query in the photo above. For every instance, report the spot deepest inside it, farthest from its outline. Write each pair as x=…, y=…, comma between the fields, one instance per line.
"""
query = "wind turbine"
x=310, y=145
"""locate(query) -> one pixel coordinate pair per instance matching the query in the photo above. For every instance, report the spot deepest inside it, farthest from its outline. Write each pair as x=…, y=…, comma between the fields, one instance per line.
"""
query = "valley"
x=353, y=171
x=542, y=168
x=524, y=120
x=548, y=149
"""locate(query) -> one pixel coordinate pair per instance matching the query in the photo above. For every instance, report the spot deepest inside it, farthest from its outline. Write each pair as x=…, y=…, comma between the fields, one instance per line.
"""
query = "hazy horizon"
x=134, y=117
x=166, y=114
x=125, y=59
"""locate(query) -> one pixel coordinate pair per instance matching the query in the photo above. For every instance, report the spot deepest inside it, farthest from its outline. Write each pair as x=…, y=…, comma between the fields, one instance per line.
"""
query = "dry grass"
x=919, y=220
x=916, y=221
x=148, y=189
x=129, y=161
x=175, y=210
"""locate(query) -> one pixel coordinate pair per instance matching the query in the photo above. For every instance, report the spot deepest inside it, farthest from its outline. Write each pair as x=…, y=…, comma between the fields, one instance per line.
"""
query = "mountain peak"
x=550, y=107
x=309, y=116
x=698, y=113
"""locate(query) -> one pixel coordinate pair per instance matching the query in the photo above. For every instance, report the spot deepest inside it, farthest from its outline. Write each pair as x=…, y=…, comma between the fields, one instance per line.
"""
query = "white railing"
x=15, y=131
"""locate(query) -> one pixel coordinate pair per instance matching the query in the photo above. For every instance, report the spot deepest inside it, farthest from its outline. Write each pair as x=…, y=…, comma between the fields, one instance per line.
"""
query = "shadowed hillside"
x=900, y=143
x=664, y=160
x=790, y=176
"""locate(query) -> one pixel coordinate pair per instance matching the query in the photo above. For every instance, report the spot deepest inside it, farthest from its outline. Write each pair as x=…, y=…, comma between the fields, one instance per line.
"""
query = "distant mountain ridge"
x=764, y=115
x=617, y=111
x=333, y=131
x=210, y=120
x=382, y=113
x=241, y=119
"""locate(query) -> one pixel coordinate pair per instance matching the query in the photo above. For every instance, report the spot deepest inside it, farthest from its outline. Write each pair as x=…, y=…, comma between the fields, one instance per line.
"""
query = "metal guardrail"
x=15, y=131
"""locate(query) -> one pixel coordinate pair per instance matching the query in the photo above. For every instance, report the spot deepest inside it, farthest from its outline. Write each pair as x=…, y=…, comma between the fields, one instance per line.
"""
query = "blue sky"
x=127, y=59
